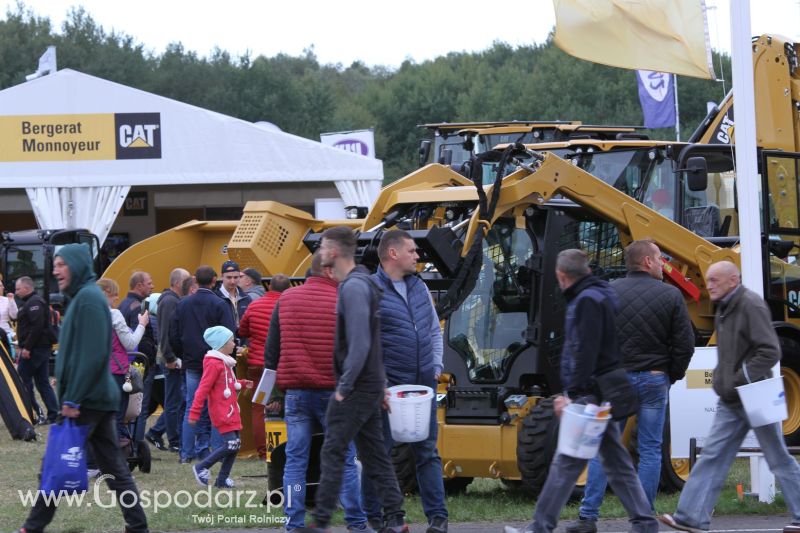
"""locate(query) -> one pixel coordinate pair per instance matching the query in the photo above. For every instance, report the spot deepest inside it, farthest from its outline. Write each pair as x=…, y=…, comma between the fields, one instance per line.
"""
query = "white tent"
x=77, y=143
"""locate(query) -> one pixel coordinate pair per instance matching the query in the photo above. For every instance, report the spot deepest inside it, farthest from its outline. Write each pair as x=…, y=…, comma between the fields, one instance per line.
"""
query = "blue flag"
x=657, y=96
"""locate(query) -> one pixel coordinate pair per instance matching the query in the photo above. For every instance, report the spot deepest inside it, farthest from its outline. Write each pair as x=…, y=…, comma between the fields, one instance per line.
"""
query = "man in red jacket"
x=255, y=325
x=300, y=348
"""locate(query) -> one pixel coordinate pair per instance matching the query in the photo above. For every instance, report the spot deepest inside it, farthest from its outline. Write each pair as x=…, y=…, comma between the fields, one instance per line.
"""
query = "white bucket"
x=410, y=412
x=764, y=401
x=580, y=435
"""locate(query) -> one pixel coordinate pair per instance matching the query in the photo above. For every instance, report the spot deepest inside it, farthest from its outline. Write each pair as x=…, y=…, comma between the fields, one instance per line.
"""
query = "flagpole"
x=746, y=159
x=677, y=112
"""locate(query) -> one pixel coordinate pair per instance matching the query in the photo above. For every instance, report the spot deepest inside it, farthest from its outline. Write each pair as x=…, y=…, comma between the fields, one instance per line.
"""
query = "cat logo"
x=138, y=135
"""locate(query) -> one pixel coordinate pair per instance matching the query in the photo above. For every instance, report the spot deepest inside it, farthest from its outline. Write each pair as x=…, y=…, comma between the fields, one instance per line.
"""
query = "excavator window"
x=26, y=260
x=629, y=171
x=489, y=327
x=456, y=147
x=713, y=212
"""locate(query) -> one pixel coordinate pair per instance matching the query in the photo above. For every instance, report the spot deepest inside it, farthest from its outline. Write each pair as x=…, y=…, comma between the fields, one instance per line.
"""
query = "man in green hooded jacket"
x=86, y=390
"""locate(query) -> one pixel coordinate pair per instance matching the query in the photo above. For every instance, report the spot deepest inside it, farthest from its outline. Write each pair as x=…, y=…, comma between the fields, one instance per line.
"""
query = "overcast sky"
x=372, y=31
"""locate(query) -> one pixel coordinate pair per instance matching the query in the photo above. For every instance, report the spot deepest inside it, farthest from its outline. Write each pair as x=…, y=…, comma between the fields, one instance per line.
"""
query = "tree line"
x=305, y=98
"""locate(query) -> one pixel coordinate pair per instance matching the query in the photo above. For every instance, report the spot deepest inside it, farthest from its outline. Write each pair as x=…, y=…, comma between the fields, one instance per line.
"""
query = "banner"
x=662, y=35
x=361, y=142
x=657, y=96
x=89, y=137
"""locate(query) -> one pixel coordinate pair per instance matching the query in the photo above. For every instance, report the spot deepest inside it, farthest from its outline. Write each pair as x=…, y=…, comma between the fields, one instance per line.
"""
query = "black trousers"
x=357, y=418
x=102, y=442
x=35, y=371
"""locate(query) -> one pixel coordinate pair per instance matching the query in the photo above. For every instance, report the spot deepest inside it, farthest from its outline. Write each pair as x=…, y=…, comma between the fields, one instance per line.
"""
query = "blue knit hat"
x=217, y=336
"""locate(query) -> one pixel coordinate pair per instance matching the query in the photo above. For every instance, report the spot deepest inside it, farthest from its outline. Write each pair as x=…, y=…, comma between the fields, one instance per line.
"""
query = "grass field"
x=178, y=503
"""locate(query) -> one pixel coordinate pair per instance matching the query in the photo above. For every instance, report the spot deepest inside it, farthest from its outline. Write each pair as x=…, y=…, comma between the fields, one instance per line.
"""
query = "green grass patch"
x=486, y=500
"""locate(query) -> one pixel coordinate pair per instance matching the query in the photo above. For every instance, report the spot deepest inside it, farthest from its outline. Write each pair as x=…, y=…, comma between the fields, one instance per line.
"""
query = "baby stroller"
x=136, y=452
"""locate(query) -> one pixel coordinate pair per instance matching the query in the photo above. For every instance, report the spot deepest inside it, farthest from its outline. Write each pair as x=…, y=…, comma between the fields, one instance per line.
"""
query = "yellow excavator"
x=488, y=254
x=454, y=143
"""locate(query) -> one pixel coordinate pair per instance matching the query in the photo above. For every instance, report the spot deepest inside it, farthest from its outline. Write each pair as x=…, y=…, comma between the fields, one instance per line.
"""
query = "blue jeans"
x=304, y=407
x=225, y=455
x=169, y=422
x=653, y=389
x=428, y=467
x=195, y=439
x=730, y=426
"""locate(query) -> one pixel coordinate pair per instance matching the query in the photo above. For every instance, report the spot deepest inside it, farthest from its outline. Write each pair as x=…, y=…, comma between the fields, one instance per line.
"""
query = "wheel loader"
x=454, y=143
x=490, y=259
x=488, y=255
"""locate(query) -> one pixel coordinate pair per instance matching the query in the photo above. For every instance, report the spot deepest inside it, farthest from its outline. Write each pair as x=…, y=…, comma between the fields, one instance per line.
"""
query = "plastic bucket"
x=410, y=412
x=764, y=401
x=580, y=435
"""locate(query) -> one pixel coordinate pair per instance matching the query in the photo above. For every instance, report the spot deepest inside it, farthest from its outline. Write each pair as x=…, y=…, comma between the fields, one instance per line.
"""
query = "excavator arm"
x=551, y=176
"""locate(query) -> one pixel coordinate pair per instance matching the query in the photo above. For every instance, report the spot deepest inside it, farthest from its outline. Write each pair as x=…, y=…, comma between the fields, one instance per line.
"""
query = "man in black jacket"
x=141, y=286
x=230, y=292
x=35, y=343
x=170, y=420
x=657, y=341
x=191, y=318
x=590, y=349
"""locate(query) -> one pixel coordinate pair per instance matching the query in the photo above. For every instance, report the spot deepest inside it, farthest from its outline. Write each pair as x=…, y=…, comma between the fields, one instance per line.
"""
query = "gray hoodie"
x=358, y=358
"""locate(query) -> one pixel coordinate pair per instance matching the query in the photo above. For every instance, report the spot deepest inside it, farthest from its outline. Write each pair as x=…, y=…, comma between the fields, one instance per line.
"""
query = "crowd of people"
x=337, y=342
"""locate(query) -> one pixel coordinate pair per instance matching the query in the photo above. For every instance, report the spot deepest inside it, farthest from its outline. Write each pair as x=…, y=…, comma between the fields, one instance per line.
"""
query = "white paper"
x=262, y=392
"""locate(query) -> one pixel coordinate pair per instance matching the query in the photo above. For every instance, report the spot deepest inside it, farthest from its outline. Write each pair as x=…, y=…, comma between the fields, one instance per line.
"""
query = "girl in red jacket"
x=219, y=385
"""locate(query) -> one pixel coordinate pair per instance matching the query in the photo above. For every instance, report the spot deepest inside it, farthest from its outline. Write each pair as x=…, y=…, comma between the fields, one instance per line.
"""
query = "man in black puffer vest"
x=656, y=341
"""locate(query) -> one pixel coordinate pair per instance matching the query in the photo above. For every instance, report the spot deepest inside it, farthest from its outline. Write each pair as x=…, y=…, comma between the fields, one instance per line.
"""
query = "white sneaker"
x=227, y=484
x=201, y=475
x=509, y=529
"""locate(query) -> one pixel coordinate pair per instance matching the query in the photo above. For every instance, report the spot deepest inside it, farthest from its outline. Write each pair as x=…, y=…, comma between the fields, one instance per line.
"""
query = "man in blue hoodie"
x=590, y=349
x=86, y=390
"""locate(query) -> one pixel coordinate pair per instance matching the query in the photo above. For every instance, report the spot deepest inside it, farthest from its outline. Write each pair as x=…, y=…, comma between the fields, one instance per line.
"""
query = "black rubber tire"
x=274, y=479
x=145, y=459
x=673, y=473
x=406, y=471
x=404, y=468
x=277, y=463
x=790, y=370
x=456, y=485
x=511, y=484
x=536, y=445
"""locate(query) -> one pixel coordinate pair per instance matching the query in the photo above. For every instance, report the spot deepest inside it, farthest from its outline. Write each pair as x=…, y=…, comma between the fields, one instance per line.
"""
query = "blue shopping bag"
x=64, y=463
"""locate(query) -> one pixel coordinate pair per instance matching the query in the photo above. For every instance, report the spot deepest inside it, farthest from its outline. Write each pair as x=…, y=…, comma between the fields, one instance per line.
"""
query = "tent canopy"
x=77, y=142
x=70, y=129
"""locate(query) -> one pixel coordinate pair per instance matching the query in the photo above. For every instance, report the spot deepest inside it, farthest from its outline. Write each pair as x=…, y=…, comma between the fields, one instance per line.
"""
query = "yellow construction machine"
x=488, y=254
x=490, y=257
x=454, y=144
